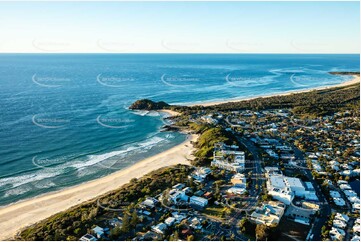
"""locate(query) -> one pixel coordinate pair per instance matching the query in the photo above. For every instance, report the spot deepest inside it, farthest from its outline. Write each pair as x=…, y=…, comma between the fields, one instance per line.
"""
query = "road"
x=325, y=210
x=256, y=164
x=234, y=227
x=257, y=181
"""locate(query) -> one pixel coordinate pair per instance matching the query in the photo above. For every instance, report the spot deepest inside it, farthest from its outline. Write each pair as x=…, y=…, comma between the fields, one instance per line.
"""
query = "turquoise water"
x=64, y=118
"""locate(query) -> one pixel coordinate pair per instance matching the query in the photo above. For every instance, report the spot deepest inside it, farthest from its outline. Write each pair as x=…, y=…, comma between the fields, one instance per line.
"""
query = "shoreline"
x=169, y=113
x=354, y=80
x=16, y=216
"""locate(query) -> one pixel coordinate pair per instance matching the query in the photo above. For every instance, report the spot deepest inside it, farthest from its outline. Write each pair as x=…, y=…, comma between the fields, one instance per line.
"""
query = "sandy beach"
x=169, y=112
x=356, y=79
x=19, y=215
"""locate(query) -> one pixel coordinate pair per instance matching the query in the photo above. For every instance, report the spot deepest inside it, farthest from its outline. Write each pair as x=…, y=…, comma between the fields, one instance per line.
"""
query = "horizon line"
x=184, y=53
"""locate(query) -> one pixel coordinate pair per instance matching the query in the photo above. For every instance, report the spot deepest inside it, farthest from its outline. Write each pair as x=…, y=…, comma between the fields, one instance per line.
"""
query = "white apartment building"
x=284, y=189
x=199, y=201
x=201, y=173
x=228, y=158
x=278, y=189
x=176, y=195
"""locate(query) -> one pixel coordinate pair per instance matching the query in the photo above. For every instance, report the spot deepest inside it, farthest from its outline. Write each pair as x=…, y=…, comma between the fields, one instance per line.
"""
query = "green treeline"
x=318, y=102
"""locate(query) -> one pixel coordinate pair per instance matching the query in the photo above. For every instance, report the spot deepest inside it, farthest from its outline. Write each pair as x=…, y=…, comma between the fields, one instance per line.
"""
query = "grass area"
x=217, y=212
x=219, y=153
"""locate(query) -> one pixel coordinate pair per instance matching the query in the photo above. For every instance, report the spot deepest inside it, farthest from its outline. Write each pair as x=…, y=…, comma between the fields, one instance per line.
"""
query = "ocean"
x=65, y=117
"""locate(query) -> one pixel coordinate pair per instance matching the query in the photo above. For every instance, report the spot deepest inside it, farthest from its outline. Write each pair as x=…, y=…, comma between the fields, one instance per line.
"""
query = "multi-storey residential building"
x=228, y=157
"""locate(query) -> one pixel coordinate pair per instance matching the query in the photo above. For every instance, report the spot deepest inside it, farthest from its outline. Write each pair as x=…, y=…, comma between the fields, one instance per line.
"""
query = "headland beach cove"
x=16, y=216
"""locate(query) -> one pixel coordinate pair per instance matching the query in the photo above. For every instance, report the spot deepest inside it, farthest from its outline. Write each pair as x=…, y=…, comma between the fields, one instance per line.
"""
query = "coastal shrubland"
x=316, y=103
x=205, y=143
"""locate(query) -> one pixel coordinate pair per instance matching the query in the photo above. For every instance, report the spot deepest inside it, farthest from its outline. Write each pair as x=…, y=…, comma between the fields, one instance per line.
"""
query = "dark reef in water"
x=170, y=128
x=345, y=73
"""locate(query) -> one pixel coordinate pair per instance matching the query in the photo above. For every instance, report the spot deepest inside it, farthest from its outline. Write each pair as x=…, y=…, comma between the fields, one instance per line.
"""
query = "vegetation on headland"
x=78, y=220
x=146, y=104
x=206, y=141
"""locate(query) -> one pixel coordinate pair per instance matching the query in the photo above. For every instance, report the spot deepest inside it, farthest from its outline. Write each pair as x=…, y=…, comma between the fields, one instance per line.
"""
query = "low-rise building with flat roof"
x=284, y=189
x=269, y=213
x=228, y=158
x=200, y=174
x=199, y=201
x=160, y=228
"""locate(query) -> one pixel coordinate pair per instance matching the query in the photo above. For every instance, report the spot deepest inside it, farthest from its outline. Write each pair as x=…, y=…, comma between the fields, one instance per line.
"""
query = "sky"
x=179, y=27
